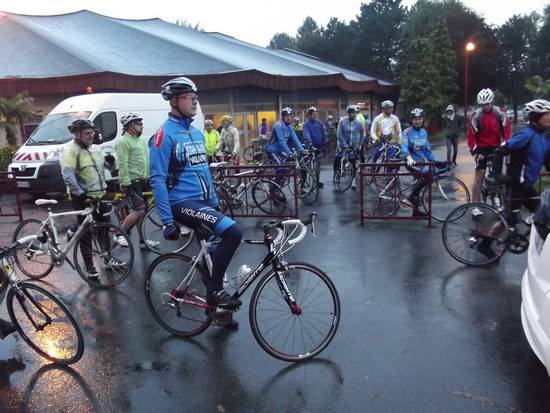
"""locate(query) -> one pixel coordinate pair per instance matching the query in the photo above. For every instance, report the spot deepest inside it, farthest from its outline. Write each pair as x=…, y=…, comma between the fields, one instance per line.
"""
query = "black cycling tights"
x=221, y=257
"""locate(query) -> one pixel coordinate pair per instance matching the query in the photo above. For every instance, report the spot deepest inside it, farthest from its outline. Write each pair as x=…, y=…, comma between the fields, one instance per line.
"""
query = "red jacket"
x=488, y=130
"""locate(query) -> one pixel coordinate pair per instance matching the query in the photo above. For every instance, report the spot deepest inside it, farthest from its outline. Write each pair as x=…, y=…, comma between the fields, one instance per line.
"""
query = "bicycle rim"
x=284, y=334
x=151, y=232
x=33, y=258
x=346, y=176
x=379, y=196
x=269, y=197
x=56, y=336
x=110, y=258
x=447, y=194
x=179, y=308
x=475, y=241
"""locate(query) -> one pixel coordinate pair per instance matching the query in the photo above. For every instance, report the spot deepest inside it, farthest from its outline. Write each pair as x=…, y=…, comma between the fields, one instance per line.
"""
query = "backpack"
x=501, y=117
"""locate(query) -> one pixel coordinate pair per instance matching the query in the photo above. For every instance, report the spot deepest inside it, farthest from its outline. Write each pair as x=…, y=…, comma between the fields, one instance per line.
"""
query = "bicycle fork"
x=285, y=291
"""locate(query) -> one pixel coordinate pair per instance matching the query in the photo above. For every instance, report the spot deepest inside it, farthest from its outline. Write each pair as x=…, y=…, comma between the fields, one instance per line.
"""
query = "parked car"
x=36, y=163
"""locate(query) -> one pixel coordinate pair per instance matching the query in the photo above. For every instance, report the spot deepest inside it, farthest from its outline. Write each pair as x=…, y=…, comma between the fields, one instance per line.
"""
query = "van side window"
x=107, y=125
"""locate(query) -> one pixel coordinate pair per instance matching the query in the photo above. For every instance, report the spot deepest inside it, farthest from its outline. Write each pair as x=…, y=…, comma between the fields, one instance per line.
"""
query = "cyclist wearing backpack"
x=486, y=131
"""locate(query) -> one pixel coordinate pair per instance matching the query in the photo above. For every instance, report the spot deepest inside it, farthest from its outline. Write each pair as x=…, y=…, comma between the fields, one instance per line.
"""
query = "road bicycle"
x=344, y=175
x=294, y=310
x=304, y=185
x=256, y=151
x=150, y=226
x=235, y=189
x=41, y=318
x=39, y=248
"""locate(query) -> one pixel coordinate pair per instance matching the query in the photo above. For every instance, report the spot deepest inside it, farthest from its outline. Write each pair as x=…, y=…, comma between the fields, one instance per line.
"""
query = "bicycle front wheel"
x=45, y=323
x=448, y=193
x=33, y=257
x=176, y=295
x=269, y=197
x=475, y=238
x=150, y=229
x=100, y=246
x=305, y=181
x=305, y=330
x=344, y=176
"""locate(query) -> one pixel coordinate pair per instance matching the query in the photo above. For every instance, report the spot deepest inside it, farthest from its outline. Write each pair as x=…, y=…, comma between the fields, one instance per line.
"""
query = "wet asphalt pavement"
x=419, y=332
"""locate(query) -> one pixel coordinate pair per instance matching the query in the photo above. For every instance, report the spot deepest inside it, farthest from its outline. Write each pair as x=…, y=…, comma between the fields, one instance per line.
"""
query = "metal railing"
x=10, y=203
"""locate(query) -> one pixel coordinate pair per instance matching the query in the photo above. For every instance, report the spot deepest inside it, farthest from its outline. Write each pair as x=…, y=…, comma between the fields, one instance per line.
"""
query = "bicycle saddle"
x=39, y=202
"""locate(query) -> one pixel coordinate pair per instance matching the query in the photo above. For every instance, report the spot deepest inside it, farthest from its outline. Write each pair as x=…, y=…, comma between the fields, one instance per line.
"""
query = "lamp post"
x=470, y=47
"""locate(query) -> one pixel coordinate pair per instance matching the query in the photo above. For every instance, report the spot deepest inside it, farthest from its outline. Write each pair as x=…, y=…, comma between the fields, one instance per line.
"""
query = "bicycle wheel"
x=45, y=323
x=305, y=332
x=305, y=181
x=346, y=174
x=379, y=196
x=176, y=297
x=248, y=153
x=150, y=229
x=448, y=193
x=33, y=258
x=475, y=240
x=96, y=248
x=269, y=197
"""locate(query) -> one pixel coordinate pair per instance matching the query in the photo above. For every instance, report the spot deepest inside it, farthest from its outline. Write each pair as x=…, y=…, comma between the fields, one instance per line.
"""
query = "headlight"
x=54, y=154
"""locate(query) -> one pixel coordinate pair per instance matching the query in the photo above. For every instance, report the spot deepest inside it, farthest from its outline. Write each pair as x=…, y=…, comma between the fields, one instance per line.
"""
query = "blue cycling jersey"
x=281, y=135
x=314, y=133
x=416, y=144
x=526, y=167
x=179, y=168
x=350, y=133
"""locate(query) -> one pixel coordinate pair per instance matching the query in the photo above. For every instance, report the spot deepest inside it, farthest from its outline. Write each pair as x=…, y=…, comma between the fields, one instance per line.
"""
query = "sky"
x=252, y=21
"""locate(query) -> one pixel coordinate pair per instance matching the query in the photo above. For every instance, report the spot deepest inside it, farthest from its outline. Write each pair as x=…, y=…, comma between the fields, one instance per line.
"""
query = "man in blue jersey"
x=314, y=136
x=183, y=188
x=350, y=135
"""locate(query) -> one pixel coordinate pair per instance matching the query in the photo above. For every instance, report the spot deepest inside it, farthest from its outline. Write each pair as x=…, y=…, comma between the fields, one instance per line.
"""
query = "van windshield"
x=53, y=129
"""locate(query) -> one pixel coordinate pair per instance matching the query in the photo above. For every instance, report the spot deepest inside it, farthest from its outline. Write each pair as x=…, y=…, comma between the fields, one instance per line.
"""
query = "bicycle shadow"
x=72, y=394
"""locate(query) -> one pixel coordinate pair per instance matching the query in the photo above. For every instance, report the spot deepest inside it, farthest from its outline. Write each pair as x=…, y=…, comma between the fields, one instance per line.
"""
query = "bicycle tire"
x=162, y=279
x=269, y=197
x=103, y=248
x=305, y=181
x=45, y=346
x=270, y=284
x=24, y=256
x=448, y=192
x=462, y=233
x=248, y=153
x=151, y=229
x=346, y=175
x=378, y=198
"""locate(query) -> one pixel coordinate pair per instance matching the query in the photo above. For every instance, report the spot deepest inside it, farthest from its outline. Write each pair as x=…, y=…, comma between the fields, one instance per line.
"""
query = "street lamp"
x=470, y=47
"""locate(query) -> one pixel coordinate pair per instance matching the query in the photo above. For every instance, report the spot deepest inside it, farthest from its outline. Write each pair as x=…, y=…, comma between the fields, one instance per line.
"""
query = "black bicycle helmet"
x=80, y=124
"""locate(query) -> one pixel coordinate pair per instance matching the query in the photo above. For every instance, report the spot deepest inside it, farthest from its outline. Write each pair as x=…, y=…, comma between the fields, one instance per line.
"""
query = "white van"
x=36, y=164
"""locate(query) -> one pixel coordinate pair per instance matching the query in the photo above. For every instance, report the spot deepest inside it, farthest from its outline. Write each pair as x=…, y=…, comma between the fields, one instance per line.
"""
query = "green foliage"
x=538, y=87
x=13, y=111
x=6, y=155
x=428, y=75
x=282, y=41
x=541, y=50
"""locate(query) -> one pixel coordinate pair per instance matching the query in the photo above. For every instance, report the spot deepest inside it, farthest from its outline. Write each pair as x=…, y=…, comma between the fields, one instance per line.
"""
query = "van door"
x=106, y=123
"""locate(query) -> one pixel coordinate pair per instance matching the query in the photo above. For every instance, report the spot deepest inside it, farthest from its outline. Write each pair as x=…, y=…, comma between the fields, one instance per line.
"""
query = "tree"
x=517, y=36
x=282, y=41
x=541, y=49
x=308, y=39
x=337, y=39
x=538, y=87
x=377, y=36
x=428, y=70
x=13, y=112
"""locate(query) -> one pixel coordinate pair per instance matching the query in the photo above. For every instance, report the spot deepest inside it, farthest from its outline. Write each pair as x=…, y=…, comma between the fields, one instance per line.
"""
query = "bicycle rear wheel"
x=150, y=229
x=33, y=257
x=305, y=331
x=345, y=176
x=248, y=153
x=475, y=240
x=448, y=193
x=305, y=181
x=45, y=323
x=175, y=297
x=269, y=197
x=96, y=247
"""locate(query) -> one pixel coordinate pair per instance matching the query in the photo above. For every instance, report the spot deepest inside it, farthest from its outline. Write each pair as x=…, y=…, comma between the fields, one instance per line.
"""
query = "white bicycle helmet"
x=286, y=111
x=351, y=108
x=417, y=113
x=387, y=104
x=450, y=108
x=537, y=106
x=177, y=86
x=208, y=122
x=485, y=96
x=311, y=110
x=125, y=120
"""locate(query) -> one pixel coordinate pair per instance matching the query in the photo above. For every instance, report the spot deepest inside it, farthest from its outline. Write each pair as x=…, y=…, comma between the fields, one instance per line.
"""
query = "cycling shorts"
x=200, y=216
x=481, y=156
x=134, y=194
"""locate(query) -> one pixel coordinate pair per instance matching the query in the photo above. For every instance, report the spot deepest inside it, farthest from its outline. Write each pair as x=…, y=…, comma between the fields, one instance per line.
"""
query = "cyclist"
x=211, y=140
x=283, y=134
x=314, y=136
x=83, y=169
x=486, y=131
x=529, y=151
x=416, y=148
x=349, y=135
x=298, y=128
x=385, y=127
x=229, y=139
x=133, y=173
x=183, y=188
x=451, y=129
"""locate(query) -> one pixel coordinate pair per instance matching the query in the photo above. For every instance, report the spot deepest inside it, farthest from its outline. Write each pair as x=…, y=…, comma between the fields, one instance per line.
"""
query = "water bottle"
x=240, y=276
x=70, y=231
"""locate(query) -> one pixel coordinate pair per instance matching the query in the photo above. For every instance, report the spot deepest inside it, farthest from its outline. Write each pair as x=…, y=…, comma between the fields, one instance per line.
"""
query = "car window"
x=106, y=124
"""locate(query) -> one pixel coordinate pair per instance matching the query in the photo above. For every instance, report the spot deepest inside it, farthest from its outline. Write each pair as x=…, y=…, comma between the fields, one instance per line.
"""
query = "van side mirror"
x=98, y=138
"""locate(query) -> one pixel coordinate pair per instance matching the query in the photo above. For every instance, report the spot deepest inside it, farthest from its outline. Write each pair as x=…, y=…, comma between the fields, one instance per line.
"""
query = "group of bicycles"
x=294, y=310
